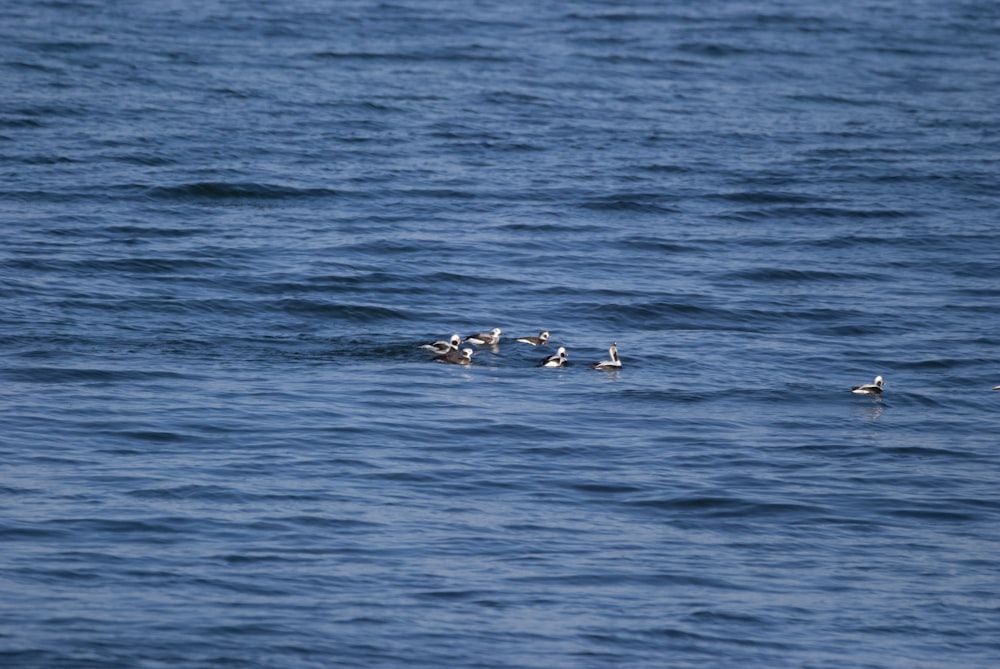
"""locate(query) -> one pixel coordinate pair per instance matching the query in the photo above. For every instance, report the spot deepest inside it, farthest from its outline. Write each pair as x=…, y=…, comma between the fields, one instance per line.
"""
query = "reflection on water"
x=872, y=410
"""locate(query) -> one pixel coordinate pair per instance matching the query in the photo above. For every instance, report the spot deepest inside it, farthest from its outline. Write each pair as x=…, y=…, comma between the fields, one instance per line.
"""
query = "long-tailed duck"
x=456, y=358
x=558, y=360
x=442, y=347
x=613, y=363
x=542, y=338
x=873, y=388
x=491, y=338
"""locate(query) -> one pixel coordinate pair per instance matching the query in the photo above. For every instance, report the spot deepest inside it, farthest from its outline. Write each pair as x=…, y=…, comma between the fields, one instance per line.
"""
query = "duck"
x=558, y=360
x=613, y=363
x=542, y=338
x=442, y=347
x=491, y=338
x=456, y=358
x=873, y=388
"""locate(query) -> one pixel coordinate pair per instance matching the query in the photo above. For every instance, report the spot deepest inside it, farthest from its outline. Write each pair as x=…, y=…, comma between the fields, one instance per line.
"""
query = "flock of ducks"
x=448, y=351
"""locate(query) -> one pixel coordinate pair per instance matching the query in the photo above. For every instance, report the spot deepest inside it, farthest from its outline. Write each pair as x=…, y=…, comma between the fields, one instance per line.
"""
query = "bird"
x=456, y=358
x=542, y=338
x=442, y=347
x=613, y=363
x=492, y=338
x=996, y=387
x=873, y=388
x=557, y=360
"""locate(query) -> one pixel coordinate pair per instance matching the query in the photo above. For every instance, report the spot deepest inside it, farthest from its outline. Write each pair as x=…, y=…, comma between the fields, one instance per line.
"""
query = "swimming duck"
x=542, y=338
x=442, y=347
x=456, y=358
x=873, y=388
x=613, y=363
x=485, y=339
x=558, y=360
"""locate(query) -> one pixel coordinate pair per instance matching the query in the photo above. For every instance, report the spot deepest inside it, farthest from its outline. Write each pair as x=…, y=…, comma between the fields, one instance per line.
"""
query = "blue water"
x=228, y=226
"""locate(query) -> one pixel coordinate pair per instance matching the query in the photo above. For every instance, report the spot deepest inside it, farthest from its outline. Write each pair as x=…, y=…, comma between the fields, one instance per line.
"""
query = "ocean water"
x=226, y=228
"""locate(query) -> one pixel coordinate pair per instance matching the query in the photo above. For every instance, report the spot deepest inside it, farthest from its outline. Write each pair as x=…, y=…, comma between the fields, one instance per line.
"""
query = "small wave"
x=943, y=363
x=50, y=160
x=117, y=266
x=856, y=241
x=547, y=227
x=712, y=49
x=842, y=213
x=654, y=244
x=352, y=283
x=515, y=430
x=20, y=123
x=359, y=313
x=593, y=487
x=764, y=197
x=676, y=315
x=188, y=491
x=727, y=507
x=144, y=159
x=150, y=265
x=122, y=527
x=639, y=203
x=151, y=436
x=851, y=330
x=220, y=190
x=440, y=193
x=471, y=53
x=662, y=168
x=58, y=375
x=132, y=230
x=30, y=532
x=932, y=514
x=765, y=274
